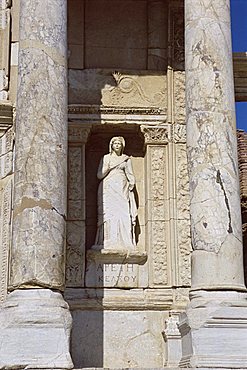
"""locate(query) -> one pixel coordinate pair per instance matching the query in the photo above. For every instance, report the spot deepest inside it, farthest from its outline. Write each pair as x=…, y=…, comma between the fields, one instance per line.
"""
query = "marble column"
x=215, y=314
x=212, y=147
x=39, y=209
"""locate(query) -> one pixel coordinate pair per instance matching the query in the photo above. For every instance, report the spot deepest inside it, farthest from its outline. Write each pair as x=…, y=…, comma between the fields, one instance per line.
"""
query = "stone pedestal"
x=214, y=330
x=35, y=329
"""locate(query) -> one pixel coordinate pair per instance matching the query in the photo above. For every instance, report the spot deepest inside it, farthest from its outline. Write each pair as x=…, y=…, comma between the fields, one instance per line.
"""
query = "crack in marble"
x=49, y=51
x=220, y=182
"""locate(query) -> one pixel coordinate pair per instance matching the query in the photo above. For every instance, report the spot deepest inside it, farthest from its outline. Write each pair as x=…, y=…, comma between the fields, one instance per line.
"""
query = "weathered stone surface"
x=41, y=147
x=214, y=330
x=123, y=299
x=37, y=323
x=212, y=148
x=139, y=331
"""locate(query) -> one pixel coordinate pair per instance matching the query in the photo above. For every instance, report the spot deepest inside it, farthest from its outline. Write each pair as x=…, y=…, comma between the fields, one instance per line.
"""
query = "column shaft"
x=212, y=147
x=41, y=147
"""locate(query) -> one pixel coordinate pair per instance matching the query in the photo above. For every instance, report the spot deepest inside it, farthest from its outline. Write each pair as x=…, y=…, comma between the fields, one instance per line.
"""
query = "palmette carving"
x=155, y=135
x=183, y=220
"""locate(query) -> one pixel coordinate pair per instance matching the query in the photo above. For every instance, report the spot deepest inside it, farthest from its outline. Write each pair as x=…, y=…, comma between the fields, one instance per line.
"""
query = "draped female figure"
x=117, y=209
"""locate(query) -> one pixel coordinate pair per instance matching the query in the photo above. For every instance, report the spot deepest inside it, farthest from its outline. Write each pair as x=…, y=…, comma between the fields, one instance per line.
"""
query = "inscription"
x=115, y=274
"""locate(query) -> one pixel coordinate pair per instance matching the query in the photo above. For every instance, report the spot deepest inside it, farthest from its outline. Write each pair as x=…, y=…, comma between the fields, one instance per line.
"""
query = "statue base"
x=117, y=256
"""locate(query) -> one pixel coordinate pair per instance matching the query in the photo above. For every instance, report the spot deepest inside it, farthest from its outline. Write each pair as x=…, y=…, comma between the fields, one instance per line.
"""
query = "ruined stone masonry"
x=160, y=74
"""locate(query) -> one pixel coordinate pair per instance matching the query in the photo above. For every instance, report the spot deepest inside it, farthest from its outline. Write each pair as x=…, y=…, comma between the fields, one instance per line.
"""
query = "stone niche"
x=126, y=78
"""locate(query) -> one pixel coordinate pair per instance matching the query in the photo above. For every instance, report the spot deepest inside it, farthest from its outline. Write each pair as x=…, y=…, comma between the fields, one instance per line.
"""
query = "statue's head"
x=116, y=139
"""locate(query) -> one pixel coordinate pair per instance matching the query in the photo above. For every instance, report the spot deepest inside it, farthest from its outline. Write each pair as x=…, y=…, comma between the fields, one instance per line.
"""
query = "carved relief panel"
x=156, y=140
x=75, y=254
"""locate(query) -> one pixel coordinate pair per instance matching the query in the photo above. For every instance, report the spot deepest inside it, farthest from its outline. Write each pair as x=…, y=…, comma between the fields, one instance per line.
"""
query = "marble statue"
x=117, y=209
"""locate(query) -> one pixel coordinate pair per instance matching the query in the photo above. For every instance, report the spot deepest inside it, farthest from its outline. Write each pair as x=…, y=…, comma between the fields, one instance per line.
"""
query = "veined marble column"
x=212, y=147
x=214, y=329
x=35, y=319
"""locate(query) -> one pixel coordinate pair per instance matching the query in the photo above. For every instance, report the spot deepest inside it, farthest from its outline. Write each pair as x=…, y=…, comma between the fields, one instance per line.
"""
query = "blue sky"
x=239, y=44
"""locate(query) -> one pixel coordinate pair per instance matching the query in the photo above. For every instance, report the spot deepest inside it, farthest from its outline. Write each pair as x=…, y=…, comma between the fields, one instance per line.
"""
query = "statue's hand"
x=131, y=187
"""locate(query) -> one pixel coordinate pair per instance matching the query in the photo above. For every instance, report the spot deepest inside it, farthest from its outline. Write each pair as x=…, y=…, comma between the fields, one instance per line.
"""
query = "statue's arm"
x=104, y=168
x=129, y=174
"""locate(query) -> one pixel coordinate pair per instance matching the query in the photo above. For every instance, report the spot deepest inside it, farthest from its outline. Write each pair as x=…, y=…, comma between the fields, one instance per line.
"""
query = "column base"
x=214, y=331
x=35, y=331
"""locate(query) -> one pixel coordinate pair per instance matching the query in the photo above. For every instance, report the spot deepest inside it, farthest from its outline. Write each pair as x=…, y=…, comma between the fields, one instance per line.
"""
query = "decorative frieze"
x=5, y=232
